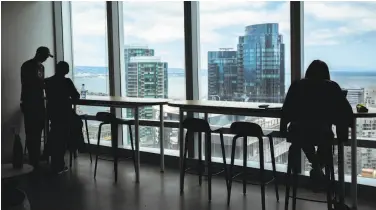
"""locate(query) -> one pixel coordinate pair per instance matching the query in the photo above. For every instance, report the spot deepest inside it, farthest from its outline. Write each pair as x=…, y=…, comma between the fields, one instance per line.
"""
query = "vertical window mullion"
x=63, y=34
x=114, y=57
x=192, y=57
x=297, y=41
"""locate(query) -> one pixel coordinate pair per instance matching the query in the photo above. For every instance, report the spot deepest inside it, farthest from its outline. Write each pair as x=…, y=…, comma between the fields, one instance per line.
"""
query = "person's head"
x=318, y=70
x=62, y=68
x=42, y=54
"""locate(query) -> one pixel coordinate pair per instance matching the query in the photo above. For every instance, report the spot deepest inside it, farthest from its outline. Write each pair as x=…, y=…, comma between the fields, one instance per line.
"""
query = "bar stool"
x=248, y=129
x=84, y=117
x=293, y=166
x=109, y=118
x=194, y=125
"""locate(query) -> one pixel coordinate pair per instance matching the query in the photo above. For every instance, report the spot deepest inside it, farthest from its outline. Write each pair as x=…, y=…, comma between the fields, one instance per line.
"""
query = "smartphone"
x=263, y=106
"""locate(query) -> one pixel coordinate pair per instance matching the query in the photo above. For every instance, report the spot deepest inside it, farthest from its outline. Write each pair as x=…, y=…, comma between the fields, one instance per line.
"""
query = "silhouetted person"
x=60, y=92
x=32, y=102
x=312, y=106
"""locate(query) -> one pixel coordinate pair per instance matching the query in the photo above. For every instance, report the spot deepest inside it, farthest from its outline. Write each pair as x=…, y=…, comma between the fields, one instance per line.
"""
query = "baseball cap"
x=44, y=50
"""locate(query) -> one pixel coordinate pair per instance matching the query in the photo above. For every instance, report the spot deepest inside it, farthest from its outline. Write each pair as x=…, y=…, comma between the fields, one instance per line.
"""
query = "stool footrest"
x=312, y=200
x=249, y=182
x=111, y=159
x=194, y=172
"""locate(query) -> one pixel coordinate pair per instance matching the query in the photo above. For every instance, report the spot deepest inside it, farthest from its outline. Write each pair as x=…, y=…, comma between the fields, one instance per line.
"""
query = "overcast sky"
x=341, y=33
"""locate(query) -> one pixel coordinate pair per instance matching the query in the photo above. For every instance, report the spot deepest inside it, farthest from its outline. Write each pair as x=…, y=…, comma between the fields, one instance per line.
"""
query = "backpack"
x=76, y=140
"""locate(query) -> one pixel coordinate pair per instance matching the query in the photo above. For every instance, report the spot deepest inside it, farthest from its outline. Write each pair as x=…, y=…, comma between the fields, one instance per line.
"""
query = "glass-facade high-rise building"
x=222, y=74
x=255, y=72
x=261, y=63
x=146, y=77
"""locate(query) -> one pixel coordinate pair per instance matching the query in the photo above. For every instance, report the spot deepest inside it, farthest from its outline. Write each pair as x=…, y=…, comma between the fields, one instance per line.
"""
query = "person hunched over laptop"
x=312, y=105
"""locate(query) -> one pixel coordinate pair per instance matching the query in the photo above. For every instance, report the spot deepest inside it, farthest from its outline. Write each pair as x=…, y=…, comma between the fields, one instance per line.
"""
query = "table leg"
x=354, y=173
x=137, y=143
x=341, y=173
x=161, y=136
x=181, y=147
x=206, y=117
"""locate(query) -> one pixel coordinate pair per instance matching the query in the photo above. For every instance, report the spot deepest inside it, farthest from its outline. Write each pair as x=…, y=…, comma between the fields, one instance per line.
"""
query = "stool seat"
x=245, y=130
x=194, y=125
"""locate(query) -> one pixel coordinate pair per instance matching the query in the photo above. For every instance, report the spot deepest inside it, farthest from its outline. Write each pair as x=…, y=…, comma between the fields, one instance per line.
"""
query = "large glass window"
x=90, y=59
x=245, y=56
x=343, y=34
x=153, y=67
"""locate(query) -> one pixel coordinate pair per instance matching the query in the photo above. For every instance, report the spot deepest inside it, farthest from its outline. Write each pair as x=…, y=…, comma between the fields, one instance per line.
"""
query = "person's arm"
x=73, y=93
x=28, y=75
x=343, y=113
x=287, y=108
x=344, y=110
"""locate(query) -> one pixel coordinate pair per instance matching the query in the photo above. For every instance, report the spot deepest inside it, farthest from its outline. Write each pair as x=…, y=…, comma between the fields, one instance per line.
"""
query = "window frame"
x=64, y=51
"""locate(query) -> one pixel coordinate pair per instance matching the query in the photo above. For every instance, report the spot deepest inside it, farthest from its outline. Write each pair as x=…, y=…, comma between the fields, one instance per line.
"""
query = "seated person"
x=60, y=92
x=312, y=105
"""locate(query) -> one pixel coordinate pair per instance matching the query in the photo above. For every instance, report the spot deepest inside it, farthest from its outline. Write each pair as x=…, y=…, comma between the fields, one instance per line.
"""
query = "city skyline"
x=340, y=33
x=343, y=39
x=254, y=72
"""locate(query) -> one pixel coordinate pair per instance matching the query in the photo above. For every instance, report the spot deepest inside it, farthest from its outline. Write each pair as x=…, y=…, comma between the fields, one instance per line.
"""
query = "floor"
x=77, y=190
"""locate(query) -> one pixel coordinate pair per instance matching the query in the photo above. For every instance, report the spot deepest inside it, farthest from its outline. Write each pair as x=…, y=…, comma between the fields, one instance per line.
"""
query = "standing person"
x=32, y=102
x=60, y=93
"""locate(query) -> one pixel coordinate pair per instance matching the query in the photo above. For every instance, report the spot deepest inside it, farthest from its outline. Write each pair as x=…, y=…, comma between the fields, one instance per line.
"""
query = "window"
x=153, y=67
x=343, y=35
x=245, y=56
x=90, y=59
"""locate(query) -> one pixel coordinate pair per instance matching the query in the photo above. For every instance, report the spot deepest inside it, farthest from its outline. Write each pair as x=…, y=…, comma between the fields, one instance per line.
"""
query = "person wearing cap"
x=60, y=94
x=32, y=102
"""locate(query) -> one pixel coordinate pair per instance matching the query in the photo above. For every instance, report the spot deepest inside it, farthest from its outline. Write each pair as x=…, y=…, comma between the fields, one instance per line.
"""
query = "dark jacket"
x=60, y=94
x=312, y=107
x=32, y=76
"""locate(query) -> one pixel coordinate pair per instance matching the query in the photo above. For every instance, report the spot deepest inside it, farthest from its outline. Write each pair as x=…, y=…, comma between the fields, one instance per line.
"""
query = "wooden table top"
x=247, y=108
x=230, y=107
x=370, y=114
x=117, y=101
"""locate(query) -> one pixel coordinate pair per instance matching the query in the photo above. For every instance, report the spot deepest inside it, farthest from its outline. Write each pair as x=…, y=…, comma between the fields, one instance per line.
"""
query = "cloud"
x=348, y=19
x=89, y=18
x=221, y=26
x=161, y=25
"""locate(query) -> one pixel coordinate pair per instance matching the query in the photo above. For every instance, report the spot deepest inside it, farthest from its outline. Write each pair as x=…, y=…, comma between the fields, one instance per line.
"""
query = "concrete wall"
x=24, y=27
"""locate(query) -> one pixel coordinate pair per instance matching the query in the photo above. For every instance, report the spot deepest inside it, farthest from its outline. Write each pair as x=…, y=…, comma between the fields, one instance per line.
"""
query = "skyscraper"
x=146, y=77
x=261, y=63
x=222, y=74
x=355, y=96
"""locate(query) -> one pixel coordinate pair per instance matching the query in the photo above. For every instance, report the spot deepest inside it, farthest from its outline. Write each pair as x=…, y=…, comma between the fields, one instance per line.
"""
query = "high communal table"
x=273, y=111
x=135, y=104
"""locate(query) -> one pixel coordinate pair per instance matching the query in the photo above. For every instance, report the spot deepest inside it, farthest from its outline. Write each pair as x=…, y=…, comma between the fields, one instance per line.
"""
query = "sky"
x=343, y=34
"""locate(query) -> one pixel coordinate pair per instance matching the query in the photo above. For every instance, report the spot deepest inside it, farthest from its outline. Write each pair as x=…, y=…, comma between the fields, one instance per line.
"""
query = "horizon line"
x=361, y=70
